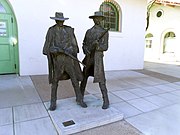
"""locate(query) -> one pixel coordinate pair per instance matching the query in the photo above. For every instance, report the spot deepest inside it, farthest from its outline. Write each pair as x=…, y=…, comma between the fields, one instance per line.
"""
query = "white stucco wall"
x=159, y=26
x=126, y=49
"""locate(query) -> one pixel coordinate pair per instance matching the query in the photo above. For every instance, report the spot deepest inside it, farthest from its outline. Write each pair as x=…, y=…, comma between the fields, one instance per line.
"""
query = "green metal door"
x=7, y=49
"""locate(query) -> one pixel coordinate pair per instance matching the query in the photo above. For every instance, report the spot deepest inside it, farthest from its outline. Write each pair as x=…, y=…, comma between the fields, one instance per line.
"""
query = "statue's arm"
x=103, y=43
x=86, y=46
x=47, y=43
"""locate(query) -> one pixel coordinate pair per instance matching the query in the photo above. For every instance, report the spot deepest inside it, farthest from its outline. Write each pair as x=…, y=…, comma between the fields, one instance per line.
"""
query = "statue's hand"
x=69, y=50
x=53, y=50
x=95, y=44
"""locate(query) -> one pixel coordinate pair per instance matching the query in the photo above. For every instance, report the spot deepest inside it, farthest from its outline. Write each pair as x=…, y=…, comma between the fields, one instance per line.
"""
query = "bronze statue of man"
x=94, y=44
x=61, y=49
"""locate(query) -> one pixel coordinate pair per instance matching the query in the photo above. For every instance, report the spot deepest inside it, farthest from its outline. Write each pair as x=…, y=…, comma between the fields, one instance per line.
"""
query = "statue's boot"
x=81, y=103
x=105, y=102
x=52, y=105
x=79, y=97
x=105, y=96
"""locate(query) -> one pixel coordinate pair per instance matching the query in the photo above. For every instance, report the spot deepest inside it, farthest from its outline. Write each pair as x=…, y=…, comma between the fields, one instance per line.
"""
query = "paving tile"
x=159, y=81
x=164, y=121
x=127, y=109
x=112, y=98
x=125, y=95
x=165, y=88
x=171, y=97
x=16, y=93
x=123, y=74
x=137, y=82
x=29, y=112
x=114, y=85
x=83, y=118
x=148, y=81
x=140, y=92
x=177, y=93
x=151, y=80
x=173, y=85
x=6, y=116
x=143, y=105
x=42, y=126
x=177, y=83
x=154, y=123
x=143, y=124
x=153, y=90
x=6, y=130
x=172, y=112
x=159, y=101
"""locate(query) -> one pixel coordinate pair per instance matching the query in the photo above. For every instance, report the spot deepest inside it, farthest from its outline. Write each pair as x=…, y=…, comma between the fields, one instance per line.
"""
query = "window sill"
x=115, y=34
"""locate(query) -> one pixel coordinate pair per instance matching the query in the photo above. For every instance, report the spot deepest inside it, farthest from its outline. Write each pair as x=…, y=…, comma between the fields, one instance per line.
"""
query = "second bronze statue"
x=94, y=44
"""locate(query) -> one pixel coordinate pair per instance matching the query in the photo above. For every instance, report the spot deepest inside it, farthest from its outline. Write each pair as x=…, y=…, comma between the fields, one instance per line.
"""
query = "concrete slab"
x=6, y=116
x=159, y=101
x=42, y=126
x=6, y=130
x=171, y=97
x=127, y=109
x=84, y=118
x=164, y=121
x=114, y=85
x=29, y=112
x=140, y=92
x=16, y=90
x=153, y=90
x=173, y=85
x=165, y=88
x=143, y=105
x=125, y=95
x=177, y=93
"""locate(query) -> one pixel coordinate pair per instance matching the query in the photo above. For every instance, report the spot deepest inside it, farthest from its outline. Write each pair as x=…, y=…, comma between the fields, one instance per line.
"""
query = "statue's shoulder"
x=52, y=27
x=68, y=27
x=89, y=30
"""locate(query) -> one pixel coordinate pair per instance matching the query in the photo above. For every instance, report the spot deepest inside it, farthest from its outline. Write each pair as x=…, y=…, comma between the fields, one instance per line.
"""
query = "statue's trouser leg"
x=104, y=95
x=53, y=96
x=83, y=84
x=75, y=83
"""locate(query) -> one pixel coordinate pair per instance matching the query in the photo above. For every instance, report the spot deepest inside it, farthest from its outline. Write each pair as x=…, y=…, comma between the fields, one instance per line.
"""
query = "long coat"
x=61, y=39
x=94, y=55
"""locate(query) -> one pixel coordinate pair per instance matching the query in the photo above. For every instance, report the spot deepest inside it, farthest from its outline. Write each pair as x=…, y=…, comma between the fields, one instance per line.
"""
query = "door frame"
x=9, y=10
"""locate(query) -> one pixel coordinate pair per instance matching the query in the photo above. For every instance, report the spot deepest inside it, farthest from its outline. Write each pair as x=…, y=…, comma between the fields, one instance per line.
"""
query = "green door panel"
x=7, y=51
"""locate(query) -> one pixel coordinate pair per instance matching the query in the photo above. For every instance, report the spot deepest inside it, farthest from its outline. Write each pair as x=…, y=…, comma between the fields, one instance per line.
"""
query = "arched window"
x=149, y=37
x=169, y=42
x=2, y=9
x=170, y=35
x=112, y=12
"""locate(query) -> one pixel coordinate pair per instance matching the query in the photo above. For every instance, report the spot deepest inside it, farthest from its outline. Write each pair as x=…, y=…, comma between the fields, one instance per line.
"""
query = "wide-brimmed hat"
x=59, y=16
x=97, y=14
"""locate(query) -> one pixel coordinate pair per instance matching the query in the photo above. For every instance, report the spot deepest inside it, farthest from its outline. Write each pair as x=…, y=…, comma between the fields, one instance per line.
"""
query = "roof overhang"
x=167, y=2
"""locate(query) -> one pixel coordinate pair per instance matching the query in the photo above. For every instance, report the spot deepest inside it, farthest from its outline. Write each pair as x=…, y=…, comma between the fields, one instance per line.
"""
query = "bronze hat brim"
x=93, y=16
x=60, y=19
